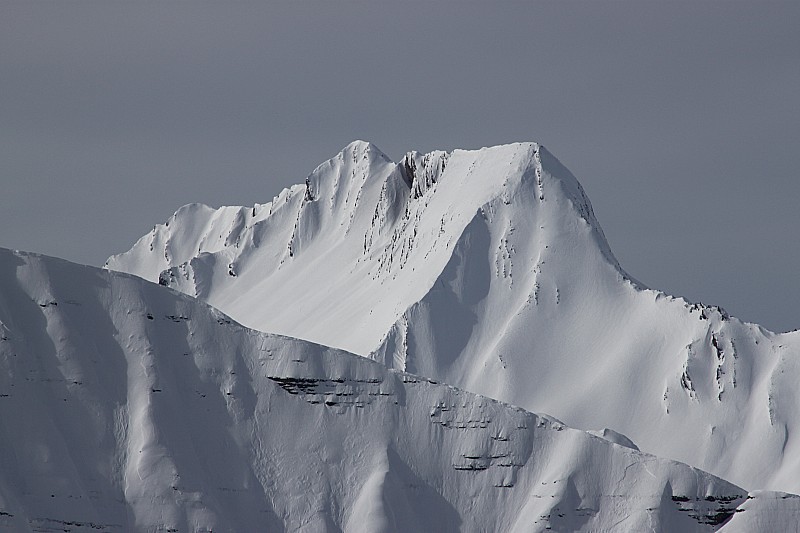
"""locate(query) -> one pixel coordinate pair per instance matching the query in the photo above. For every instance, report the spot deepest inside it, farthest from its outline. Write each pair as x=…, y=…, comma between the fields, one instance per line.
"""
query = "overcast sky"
x=681, y=120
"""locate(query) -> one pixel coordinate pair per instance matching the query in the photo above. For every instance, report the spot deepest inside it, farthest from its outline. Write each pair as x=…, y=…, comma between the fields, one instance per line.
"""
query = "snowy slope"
x=126, y=406
x=488, y=270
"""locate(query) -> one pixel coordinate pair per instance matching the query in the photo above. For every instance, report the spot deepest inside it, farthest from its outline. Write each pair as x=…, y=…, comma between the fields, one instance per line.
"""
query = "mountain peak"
x=487, y=269
x=384, y=224
x=365, y=150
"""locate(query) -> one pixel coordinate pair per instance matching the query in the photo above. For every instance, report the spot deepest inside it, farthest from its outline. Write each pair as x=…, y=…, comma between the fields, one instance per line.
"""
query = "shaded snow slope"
x=126, y=406
x=488, y=270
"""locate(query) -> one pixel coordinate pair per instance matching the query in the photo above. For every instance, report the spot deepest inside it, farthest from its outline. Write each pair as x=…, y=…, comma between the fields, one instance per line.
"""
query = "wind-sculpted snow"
x=126, y=406
x=488, y=270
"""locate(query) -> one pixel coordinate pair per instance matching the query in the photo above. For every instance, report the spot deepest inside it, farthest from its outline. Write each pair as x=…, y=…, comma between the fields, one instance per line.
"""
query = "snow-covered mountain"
x=488, y=270
x=126, y=406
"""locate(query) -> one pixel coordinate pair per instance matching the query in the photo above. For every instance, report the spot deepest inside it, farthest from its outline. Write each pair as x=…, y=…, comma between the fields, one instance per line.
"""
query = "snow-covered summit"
x=488, y=270
x=368, y=218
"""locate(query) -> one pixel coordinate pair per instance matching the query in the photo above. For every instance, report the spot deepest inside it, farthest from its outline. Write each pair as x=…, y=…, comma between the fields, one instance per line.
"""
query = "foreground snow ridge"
x=488, y=270
x=127, y=406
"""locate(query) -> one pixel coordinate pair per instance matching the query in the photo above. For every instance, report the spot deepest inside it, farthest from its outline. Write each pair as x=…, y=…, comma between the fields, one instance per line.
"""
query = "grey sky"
x=682, y=120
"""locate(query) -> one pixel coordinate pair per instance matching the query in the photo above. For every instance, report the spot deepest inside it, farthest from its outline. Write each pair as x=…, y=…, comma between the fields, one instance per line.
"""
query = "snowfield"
x=127, y=406
x=487, y=270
